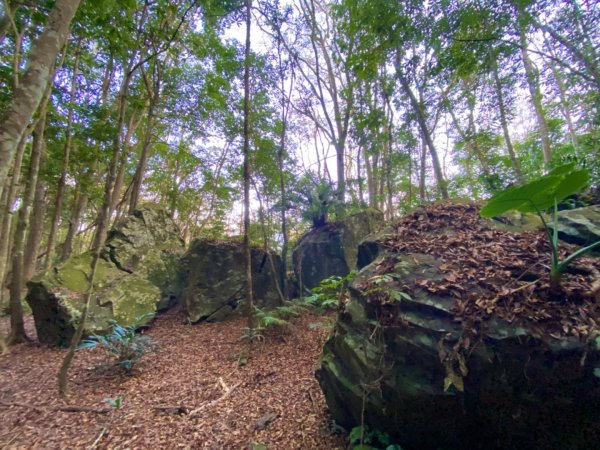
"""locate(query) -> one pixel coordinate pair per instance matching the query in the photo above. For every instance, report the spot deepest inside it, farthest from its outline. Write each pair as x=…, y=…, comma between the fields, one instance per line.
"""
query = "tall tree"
x=38, y=74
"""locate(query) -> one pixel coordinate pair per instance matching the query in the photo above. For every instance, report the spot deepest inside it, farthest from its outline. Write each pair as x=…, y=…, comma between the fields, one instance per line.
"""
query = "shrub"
x=122, y=344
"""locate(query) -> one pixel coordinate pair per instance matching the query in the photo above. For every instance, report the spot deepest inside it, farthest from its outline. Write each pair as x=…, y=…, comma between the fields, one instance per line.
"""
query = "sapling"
x=538, y=196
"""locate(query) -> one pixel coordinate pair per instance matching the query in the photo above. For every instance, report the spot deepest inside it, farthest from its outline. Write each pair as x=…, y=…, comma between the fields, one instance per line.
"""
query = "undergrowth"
x=123, y=347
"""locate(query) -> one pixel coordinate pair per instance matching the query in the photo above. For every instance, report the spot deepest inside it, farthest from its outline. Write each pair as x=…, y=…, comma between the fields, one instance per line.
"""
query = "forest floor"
x=273, y=400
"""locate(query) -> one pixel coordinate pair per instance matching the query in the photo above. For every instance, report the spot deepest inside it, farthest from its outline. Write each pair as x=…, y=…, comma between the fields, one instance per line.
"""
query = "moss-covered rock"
x=580, y=226
x=407, y=367
x=333, y=249
x=215, y=279
x=136, y=276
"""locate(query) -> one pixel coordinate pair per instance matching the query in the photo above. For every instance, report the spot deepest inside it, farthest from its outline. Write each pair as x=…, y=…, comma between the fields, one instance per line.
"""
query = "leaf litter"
x=488, y=271
x=273, y=400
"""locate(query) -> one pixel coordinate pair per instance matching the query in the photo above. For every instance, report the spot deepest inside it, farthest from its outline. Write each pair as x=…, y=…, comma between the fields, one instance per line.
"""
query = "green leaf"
x=516, y=197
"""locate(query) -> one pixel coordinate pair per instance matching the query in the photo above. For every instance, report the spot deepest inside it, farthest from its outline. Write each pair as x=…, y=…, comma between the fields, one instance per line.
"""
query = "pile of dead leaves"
x=488, y=271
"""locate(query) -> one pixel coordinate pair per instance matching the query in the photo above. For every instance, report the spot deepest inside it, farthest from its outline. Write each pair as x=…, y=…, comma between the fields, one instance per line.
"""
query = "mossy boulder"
x=215, y=279
x=429, y=384
x=136, y=276
x=580, y=226
x=333, y=248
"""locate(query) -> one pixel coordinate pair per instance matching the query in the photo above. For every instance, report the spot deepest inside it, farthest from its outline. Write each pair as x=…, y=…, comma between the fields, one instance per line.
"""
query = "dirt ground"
x=191, y=393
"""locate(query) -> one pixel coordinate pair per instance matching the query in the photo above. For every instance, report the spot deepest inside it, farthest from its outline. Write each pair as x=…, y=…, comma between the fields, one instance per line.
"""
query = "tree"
x=33, y=83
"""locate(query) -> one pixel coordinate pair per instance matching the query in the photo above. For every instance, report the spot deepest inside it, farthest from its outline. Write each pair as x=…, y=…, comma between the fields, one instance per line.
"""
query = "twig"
x=97, y=440
x=214, y=402
x=57, y=408
x=181, y=409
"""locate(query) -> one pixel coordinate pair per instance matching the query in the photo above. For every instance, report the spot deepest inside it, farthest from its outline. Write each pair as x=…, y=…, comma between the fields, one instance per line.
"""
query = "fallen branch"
x=181, y=409
x=214, y=402
x=68, y=408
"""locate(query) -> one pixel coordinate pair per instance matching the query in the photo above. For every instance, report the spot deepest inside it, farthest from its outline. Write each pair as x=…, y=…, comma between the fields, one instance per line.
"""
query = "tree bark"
x=504, y=121
x=62, y=182
x=17, y=326
x=7, y=215
x=533, y=84
x=437, y=168
x=247, y=172
x=36, y=228
x=38, y=74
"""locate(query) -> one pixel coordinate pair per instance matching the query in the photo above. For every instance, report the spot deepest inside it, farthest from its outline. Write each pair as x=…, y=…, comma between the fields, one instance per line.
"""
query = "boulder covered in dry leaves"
x=215, y=279
x=453, y=338
x=332, y=249
x=137, y=275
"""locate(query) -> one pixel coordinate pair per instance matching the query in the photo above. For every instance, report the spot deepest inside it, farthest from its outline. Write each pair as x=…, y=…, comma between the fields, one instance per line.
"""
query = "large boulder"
x=333, y=248
x=215, y=279
x=136, y=275
x=423, y=352
x=580, y=226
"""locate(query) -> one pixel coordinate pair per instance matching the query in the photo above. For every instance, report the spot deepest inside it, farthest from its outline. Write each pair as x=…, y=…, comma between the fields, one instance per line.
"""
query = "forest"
x=220, y=197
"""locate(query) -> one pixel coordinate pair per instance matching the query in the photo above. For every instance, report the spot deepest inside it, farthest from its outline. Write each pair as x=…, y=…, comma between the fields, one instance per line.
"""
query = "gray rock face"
x=580, y=226
x=136, y=276
x=215, y=279
x=421, y=379
x=333, y=249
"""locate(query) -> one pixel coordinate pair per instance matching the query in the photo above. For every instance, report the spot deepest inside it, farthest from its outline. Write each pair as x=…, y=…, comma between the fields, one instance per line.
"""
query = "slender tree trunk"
x=422, y=170
x=536, y=98
x=141, y=167
x=98, y=243
x=104, y=215
x=17, y=331
x=504, y=122
x=418, y=108
x=35, y=80
x=62, y=182
x=36, y=227
x=79, y=204
x=247, y=172
x=11, y=195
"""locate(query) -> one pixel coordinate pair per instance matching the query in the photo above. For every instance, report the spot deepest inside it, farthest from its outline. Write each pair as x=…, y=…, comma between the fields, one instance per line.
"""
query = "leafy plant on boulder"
x=538, y=196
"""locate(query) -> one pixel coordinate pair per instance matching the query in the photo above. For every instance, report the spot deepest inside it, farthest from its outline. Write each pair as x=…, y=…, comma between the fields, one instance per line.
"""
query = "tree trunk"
x=36, y=228
x=62, y=182
x=247, y=172
x=35, y=80
x=5, y=231
x=536, y=98
x=504, y=121
x=423, y=170
x=140, y=170
x=437, y=168
x=17, y=326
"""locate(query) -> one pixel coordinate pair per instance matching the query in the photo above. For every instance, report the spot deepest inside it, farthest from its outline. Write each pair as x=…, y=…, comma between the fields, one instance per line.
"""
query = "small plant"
x=123, y=344
x=251, y=335
x=116, y=403
x=537, y=196
x=327, y=294
x=365, y=438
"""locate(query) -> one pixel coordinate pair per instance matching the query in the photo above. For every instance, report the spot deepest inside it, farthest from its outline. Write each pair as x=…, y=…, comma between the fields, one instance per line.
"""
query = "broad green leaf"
x=516, y=197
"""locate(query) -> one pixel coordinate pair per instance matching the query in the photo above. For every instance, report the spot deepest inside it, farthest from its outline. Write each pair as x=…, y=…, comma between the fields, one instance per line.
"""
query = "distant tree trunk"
x=10, y=196
x=536, y=98
x=36, y=227
x=17, y=331
x=79, y=204
x=418, y=108
x=423, y=170
x=504, y=121
x=247, y=171
x=33, y=84
x=62, y=181
x=136, y=184
x=104, y=215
